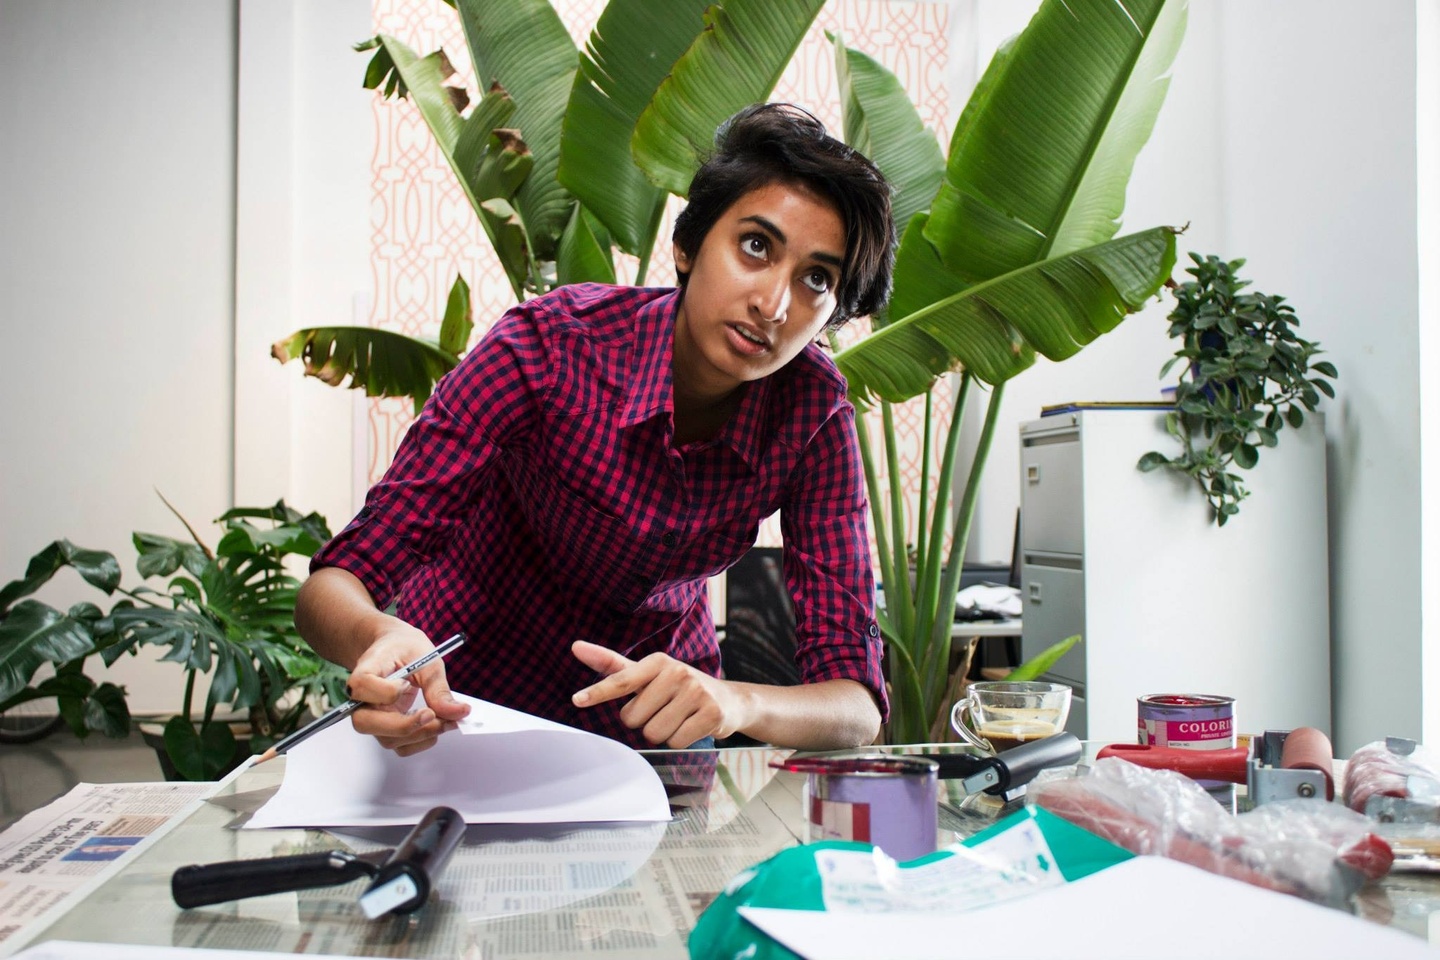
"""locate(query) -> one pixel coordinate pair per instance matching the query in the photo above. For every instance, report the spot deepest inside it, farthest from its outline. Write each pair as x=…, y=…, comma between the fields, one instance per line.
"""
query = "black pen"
x=335, y=715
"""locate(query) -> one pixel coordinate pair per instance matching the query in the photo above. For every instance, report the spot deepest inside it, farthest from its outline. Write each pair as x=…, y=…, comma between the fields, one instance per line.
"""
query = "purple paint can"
x=888, y=800
x=1188, y=721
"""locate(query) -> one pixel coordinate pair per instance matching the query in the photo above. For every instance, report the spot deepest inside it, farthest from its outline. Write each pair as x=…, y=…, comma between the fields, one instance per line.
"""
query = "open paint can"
x=1188, y=721
x=887, y=800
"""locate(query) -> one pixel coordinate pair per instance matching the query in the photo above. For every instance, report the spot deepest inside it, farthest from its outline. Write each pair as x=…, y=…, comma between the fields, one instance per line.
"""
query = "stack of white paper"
x=1145, y=907
x=500, y=766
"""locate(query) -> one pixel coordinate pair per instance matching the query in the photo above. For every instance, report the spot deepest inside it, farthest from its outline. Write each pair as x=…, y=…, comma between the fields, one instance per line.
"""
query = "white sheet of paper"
x=500, y=766
x=1145, y=907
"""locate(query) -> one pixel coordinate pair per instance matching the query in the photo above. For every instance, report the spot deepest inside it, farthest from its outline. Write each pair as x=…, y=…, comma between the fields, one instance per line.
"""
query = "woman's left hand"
x=673, y=703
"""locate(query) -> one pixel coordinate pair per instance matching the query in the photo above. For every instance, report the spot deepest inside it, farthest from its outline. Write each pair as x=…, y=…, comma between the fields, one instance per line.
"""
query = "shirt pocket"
x=591, y=551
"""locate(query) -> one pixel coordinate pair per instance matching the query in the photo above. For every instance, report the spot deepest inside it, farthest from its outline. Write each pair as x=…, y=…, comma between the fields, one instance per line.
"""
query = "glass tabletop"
x=527, y=891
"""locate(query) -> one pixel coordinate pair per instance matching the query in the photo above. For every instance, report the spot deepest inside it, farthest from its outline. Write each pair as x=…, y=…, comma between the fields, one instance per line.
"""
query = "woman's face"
x=761, y=287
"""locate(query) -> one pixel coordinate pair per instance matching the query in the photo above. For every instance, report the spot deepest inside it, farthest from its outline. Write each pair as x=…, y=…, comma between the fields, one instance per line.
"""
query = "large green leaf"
x=33, y=634
x=882, y=123
x=735, y=62
x=384, y=363
x=584, y=254
x=1054, y=307
x=96, y=567
x=524, y=47
x=631, y=51
x=466, y=142
x=1040, y=159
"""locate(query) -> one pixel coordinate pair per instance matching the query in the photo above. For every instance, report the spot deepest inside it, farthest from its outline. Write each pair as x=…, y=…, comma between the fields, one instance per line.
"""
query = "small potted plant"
x=227, y=612
x=1246, y=375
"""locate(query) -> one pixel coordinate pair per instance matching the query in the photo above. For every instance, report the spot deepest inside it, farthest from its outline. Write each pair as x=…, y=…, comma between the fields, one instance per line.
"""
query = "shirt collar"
x=652, y=393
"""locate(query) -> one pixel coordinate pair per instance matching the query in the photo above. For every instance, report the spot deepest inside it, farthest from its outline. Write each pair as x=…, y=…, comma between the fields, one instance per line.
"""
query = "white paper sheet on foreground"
x=1145, y=907
x=500, y=766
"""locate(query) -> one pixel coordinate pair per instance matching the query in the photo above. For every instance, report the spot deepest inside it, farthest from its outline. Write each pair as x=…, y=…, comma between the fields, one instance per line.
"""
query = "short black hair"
x=768, y=143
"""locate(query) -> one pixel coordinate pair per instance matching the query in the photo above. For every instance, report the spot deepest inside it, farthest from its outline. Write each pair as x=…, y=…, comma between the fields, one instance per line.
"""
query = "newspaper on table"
x=50, y=853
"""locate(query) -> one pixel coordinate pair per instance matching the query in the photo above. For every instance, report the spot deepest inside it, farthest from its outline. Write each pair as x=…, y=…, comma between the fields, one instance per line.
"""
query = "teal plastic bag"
x=791, y=881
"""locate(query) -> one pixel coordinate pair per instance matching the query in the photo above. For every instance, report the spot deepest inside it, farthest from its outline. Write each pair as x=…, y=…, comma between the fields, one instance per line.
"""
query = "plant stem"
x=966, y=513
x=649, y=249
x=904, y=598
x=939, y=616
x=189, y=693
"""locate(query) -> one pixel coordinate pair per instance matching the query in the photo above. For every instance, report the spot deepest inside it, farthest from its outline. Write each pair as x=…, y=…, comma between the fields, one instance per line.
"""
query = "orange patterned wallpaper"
x=423, y=231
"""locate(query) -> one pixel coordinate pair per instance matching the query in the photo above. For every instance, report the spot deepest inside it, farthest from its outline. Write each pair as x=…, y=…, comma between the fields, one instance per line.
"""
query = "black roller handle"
x=422, y=856
x=1021, y=764
x=202, y=884
x=1016, y=766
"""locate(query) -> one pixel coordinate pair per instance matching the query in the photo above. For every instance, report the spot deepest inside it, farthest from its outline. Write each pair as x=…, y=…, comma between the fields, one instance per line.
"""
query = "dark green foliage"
x=1245, y=377
x=228, y=613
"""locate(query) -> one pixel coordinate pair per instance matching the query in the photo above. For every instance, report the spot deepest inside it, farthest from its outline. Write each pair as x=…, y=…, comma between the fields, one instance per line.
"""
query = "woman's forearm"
x=337, y=616
x=827, y=715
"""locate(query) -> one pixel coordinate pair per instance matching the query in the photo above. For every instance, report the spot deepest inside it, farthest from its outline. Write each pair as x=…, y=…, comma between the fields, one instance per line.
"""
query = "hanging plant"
x=1246, y=375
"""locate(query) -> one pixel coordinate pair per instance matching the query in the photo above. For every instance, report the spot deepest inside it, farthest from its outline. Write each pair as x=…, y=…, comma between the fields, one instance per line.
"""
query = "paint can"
x=1188, y=721
x=884, y=799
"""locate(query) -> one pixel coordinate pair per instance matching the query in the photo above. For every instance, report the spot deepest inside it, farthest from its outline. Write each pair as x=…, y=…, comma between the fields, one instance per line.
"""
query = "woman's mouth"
x=746, y=341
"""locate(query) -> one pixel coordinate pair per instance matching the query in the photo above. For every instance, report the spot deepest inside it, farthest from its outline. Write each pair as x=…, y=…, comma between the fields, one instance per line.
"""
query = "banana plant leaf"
x=584, y=253
x=735, y=62
x=523, y=46
x=383, y=363
x=1041, y=156
x=994, y=328
x=882, y=123
x=487, y=166
x=631, y=51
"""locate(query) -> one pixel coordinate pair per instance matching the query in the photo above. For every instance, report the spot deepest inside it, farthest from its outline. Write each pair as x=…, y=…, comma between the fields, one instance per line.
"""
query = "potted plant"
x=1007, y=246
x=36, y=639
x=226, y=612
x=1245, y=376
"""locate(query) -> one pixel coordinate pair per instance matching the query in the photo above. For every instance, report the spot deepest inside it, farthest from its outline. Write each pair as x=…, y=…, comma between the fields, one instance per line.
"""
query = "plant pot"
x=153, y=734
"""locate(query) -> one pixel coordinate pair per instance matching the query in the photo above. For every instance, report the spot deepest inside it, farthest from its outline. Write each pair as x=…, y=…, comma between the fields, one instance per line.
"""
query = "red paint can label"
x=1187, y=721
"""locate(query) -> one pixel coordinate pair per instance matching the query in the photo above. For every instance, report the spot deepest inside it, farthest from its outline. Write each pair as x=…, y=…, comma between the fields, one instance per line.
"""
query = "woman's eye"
x=817, y=280
x=755, y=245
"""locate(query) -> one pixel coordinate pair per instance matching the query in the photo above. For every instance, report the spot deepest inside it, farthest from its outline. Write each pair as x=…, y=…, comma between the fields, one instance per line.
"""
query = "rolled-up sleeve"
x=824, y=522
x=486, y=403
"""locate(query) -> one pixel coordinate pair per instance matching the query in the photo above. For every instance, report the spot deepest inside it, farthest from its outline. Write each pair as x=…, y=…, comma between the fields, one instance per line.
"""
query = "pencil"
x=336, y=714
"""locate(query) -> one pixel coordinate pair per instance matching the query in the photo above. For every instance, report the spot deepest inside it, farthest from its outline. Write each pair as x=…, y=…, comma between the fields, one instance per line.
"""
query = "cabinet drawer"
x=1054, y=608
x=1050, y=488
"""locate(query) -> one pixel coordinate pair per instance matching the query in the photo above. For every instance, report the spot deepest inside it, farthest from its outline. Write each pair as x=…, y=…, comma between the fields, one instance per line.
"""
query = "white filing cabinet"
x=1165, y=601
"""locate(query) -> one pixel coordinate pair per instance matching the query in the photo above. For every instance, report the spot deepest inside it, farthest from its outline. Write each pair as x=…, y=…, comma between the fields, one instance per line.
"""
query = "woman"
x=571, y=485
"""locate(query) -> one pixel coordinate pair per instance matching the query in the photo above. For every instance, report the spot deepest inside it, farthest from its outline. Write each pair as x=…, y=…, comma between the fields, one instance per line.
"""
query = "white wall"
x=1289, y=138
x=122, y=264
x=116, y=196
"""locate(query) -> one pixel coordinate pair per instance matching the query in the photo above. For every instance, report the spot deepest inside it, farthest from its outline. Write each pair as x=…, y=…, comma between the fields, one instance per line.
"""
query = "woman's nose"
x=771, y=299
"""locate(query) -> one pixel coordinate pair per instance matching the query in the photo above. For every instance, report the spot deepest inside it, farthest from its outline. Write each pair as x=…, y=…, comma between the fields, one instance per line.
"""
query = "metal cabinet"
x=1165, y=601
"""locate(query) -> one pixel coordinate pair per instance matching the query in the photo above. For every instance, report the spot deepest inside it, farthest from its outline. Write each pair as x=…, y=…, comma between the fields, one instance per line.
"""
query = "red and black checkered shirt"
x=538, y=500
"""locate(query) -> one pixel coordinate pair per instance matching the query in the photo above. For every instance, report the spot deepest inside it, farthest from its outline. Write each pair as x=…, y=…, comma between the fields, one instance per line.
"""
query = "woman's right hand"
x=388, y=716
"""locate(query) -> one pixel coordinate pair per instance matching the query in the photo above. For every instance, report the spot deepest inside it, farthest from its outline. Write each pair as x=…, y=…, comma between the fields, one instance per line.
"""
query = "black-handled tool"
x=401, y=882
x=1004, y=772
x=202, y=884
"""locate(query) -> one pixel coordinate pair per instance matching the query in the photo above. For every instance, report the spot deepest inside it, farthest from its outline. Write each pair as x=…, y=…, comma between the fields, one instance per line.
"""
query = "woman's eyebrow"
x=779, y=235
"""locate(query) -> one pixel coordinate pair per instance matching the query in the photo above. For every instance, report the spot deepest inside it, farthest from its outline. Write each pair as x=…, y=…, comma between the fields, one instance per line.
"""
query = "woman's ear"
x=682, y=261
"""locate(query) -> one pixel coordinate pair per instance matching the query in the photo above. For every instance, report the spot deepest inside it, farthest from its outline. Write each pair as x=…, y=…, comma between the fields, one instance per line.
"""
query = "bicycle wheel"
x=30, y=721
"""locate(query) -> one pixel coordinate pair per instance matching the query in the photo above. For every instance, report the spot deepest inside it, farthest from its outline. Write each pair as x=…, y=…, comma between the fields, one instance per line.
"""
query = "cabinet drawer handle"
x=1032, y=472
x=1034, y=593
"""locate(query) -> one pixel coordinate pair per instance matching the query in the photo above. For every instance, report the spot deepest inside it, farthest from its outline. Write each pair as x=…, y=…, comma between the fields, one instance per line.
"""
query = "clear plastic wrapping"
x=1310, y=848
x=1395, y=768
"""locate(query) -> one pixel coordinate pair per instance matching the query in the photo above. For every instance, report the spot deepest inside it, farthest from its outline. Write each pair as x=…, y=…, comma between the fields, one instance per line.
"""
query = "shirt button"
x=874, y=630
x=669, y=539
